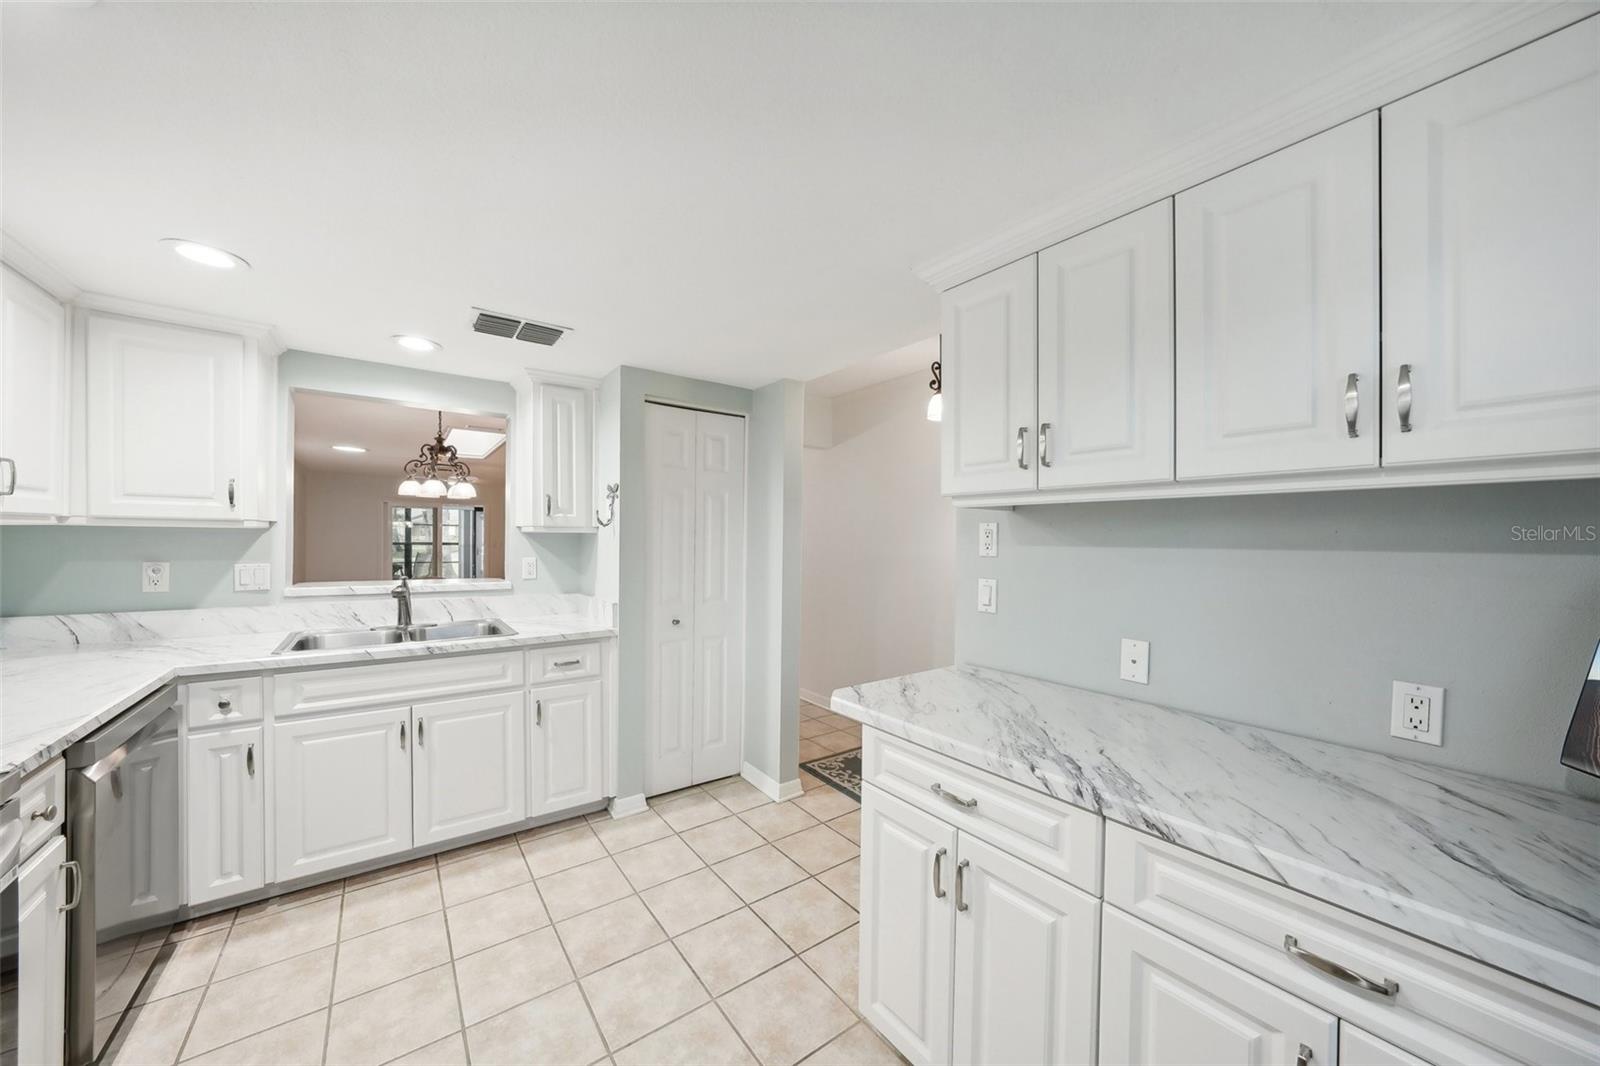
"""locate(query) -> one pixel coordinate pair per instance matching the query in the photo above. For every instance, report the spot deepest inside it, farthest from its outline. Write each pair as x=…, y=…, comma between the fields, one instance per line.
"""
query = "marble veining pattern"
x=1501, y=872
x=54, y=693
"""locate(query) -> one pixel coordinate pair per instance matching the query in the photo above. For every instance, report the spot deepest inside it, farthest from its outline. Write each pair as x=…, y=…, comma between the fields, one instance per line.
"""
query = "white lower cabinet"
x=468, y=768
x=1165, y=1002
x=566, y=756
x=342, y=787
x=41, y=1020
x=227, y=814
x=1357, y=1047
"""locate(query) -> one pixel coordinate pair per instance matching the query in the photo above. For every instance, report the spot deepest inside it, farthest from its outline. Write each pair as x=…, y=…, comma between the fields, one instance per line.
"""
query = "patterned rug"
x=841, y=770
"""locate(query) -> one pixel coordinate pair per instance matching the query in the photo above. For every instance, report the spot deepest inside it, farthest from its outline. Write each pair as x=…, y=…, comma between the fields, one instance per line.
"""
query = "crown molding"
x=1396, y=66
x=37, y=269
x=267, y=342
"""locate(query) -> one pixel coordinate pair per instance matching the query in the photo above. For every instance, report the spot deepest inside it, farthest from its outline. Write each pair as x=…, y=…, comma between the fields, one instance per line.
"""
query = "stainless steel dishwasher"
x=123, y=828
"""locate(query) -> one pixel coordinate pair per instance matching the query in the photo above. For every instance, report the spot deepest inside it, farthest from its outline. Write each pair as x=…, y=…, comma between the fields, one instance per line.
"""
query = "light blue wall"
x=71, y=569
x=1298, y=611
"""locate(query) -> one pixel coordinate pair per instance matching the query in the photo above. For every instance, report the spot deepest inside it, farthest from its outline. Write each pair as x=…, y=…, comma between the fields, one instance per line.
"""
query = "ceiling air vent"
x=522, y=329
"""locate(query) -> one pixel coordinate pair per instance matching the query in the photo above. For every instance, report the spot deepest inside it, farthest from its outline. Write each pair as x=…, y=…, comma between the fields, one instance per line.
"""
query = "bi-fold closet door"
x=695, y=589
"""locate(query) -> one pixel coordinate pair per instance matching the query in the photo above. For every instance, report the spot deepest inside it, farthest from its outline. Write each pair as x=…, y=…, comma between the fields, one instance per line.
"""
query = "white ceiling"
x=392, y=434
x=736, y=192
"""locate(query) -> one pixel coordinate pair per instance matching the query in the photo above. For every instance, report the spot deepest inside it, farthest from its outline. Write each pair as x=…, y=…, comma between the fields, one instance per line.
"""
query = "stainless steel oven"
x=123, y=828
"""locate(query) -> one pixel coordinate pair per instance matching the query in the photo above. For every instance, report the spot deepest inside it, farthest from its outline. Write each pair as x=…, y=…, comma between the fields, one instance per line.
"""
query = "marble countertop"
x=53, y=695
x=1504, y=873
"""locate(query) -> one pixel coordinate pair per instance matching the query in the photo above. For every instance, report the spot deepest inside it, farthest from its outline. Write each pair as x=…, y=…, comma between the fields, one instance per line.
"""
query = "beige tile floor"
x=717, y=927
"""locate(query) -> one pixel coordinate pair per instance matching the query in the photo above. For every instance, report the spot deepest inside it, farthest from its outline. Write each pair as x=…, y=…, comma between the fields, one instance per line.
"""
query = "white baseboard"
x=622, y=806
x=815, y=697
x=773, y=790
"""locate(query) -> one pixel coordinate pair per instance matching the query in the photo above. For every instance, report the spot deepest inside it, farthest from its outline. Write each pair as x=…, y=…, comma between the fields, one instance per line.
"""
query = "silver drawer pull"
x=1402, y=397
x=961, y=884
x=48, y=813
x=1352, y=404
x=1022, y=448
x=224, y=704
x=569, y=662
x=1304, y=1057
x=938, y=874
x=1044, y=444
x=250, y=760
x=1386, y=989
x=951, y=797
x=71, y=866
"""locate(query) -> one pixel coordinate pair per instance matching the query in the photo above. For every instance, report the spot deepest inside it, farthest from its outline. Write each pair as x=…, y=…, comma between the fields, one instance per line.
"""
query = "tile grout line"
x=333, y=978
x=205, y=989
x=583, y=994
x=450, y=950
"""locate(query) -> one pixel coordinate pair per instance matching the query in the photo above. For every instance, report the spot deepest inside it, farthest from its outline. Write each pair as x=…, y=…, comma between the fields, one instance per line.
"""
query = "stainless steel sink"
x=328, y=639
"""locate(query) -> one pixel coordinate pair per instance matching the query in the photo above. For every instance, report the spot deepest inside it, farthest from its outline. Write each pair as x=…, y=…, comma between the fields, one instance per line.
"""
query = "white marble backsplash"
x=1501, y=872
x=41, y=632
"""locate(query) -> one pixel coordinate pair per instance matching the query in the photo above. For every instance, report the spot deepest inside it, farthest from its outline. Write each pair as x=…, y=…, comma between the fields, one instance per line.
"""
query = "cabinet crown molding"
x=1395, y=66
x=266, y=338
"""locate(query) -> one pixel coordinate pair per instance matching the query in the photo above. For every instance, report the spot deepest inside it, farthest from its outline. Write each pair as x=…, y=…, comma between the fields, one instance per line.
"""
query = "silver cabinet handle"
x=1044, y=444
x=1385, y=988
x=230, y=493
x=538, y=712
x=419, y=732
x=250, y=760
x=1304, y=1057
x=961, y=884
x=547, y=505
x=573, y=662
x=951, y=797
x=1352, y=403
x=402, y=736
x=938, y=874
x=224, y=704
x=72, y=866
x=1402, y=397
x=677, y=621
x=8, y=476
x=47, y=812
x=1022, y=448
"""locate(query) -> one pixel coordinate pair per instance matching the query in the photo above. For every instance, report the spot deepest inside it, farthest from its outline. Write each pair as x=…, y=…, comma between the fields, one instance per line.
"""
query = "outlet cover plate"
x=1410, y=703
x=986, y=595
x=530, y=567
x=988, y=539
x=1135, y=661
x=155, y=577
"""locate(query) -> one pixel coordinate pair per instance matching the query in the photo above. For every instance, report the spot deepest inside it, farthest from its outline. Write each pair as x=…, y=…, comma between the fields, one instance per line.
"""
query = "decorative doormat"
x=841, y=770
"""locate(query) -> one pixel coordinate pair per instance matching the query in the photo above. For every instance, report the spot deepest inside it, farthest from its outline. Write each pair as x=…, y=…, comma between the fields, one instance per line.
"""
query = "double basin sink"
x=328, y=639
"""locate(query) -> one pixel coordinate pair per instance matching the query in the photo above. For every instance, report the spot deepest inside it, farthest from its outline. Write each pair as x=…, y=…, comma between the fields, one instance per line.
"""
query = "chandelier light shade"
x=436, y=473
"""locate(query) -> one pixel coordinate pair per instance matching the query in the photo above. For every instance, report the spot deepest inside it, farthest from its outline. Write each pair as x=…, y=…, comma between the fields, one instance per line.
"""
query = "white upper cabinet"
x=167, y=411
x=1277, y=311
x=1491, y=258
x=558, y=428
x=988, y=356
x=34, y=410
x=1105, y=354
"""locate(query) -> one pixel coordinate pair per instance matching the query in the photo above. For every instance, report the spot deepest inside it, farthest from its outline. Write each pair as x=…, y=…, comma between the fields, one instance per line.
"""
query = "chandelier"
x=436, y=472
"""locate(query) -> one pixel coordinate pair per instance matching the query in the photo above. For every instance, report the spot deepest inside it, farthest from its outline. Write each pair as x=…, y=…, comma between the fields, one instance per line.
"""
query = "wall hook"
x=612, y=491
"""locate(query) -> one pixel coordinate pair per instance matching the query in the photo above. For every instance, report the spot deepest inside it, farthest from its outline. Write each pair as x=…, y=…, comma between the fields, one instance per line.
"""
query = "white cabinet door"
x=342, y=790
x=1357, y=1047
x=1165, y=1003
x=907, y=907
x=988, y=353
x=469, y=766
x=1277, y=311
x=1026, y=963
x=1105, y=353
x=226, y=800
x=566, y=460
x=164, y=413
x=41, y=1021
x=566, y=751
x=34, y=415
x=1491, y=258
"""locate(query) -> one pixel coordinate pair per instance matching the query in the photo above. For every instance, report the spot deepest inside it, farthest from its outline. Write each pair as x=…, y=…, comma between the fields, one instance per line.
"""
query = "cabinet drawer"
x=235, y=701
x=564, y=663
x=42, y=805
x=1054, y=836
x=390, y=684
x=1451, y=1008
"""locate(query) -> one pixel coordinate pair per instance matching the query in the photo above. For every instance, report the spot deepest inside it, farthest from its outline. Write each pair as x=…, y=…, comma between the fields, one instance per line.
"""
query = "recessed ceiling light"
x=411, y=342
x=472, y=443
x=354, y=448
x=205, y=255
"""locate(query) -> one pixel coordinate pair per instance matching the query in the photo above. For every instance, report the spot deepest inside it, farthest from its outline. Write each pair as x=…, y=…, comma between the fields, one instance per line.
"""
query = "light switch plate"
x=252, y=577
x=155, y=577
x=988, y=539
x=1416, y=712
x=986, y=595
x=1135, y=661
x=530, y=567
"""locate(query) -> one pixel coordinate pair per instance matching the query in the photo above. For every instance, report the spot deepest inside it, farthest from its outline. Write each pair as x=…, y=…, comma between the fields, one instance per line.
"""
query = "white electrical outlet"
x=1135, y=661
x=986, y=595
x=155, y=577
x=530, y=567
x=1416, y=712
x=988, y=539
